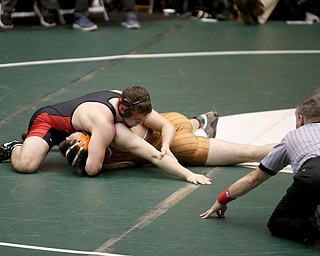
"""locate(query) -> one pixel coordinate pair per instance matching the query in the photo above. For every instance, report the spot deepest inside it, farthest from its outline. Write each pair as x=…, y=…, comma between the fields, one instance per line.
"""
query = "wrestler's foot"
x=209, y=123
x=7, y=148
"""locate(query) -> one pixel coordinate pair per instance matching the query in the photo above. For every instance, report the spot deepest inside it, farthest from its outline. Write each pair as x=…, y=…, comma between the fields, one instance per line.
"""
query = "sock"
x=200, y=124
x=201, y=120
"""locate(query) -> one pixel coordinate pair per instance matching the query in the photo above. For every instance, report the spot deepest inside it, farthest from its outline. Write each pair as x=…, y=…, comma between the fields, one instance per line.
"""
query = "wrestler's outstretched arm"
x=126, y=140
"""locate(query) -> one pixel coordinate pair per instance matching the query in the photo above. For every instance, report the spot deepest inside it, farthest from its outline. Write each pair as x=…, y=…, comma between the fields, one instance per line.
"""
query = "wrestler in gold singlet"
x=188, y=148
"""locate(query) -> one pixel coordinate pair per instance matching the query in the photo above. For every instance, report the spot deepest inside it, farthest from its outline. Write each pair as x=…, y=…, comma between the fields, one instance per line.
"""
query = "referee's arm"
x=248, y=183
x=237, y=189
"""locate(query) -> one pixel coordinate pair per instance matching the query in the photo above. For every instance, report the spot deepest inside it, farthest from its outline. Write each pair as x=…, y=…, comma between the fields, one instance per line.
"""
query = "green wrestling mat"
x=231, y=67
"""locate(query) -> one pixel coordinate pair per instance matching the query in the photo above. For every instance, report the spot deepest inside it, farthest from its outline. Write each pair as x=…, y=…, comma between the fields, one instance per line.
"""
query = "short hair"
x=137, y=99
x=309, y=109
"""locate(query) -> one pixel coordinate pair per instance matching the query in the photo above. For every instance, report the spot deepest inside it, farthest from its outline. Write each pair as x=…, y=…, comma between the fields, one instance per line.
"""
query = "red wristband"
x=225, y=197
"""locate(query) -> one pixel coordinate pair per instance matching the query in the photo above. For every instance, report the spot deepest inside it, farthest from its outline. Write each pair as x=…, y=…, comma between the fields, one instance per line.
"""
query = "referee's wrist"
x=225, y=197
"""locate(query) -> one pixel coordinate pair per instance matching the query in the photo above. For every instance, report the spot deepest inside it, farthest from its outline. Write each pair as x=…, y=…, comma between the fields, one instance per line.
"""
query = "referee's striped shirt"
x=295, y=148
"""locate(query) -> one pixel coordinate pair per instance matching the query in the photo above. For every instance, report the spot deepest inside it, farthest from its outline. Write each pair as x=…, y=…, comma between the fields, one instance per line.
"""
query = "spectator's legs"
x=81, y=8
x=49, y=4
x=45, y=10
x=81, y=20
x=130, y=19
x=7, y=7
x=129, y=5
x=268, y=7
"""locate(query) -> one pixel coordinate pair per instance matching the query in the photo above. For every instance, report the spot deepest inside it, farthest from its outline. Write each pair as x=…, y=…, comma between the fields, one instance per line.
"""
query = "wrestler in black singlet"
x=53, y=122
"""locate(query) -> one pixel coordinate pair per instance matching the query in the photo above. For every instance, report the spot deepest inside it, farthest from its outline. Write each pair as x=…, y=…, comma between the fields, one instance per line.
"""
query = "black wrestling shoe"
x=6, y=149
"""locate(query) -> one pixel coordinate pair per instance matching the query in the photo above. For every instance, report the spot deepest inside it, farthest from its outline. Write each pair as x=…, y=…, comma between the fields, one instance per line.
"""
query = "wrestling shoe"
x=7, y=148
x=209, y=123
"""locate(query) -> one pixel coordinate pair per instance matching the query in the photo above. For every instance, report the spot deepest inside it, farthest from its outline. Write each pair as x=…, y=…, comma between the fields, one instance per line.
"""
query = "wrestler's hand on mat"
x=199, y=179
x=217, y=208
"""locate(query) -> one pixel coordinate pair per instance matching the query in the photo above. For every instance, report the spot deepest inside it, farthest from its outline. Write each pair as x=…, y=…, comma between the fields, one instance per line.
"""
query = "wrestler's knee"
x=29, y=157
x=25, y=163
x=24, y=166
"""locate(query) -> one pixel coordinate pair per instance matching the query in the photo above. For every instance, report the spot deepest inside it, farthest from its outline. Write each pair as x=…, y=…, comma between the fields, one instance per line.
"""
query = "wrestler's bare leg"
x=227, y=153
x=28, y=157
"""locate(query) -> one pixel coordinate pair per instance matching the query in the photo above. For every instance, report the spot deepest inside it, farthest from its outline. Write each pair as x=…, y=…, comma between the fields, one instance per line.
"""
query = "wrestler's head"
x=134, y=104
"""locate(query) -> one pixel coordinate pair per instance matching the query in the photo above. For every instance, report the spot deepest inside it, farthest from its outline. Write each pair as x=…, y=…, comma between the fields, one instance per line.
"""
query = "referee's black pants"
x=291, y=218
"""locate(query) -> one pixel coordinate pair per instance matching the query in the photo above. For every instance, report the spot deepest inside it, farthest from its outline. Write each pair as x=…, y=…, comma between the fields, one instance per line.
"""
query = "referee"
x=297, y=216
